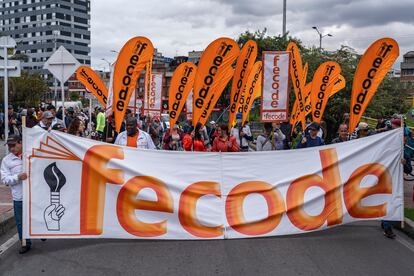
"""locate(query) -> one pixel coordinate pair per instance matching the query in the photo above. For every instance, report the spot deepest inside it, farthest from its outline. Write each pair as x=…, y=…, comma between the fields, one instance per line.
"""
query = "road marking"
x=404, y=241
x=9, y=243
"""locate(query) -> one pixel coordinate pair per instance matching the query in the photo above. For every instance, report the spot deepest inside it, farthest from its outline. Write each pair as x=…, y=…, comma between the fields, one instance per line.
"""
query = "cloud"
x=178, y=26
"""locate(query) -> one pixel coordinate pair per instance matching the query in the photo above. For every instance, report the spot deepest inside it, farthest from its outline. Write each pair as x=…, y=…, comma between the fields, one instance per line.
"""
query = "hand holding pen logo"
x=54, y=212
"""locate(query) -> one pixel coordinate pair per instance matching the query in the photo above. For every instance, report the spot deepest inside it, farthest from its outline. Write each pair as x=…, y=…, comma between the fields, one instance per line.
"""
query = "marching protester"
x=361, y=131
x=381, y=124
x=266, y=142
x=343, y=135
x=311, y=139
x=110, y=133
x=31, y=119
x=173, y=139
x=242, y=133
x=134, y=137
x=224, y=142
x=56, y=120
x=12, y=175
x=47, y=121
x=76, y=127
x=193, y=141
x=100, y=122
x=278, y=136
x=286, y=128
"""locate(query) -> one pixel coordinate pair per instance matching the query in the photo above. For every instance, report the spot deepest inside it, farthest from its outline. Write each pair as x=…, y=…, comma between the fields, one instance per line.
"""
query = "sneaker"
x=389, y=234
x=24, y=249
x=43, y=240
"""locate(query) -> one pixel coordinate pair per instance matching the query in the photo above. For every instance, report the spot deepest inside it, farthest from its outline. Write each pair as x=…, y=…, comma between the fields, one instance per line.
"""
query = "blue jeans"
x=386, y=225
x=18, y=216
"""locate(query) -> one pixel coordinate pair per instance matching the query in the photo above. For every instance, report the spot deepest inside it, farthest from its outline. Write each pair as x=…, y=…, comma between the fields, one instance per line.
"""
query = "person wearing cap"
x=311, y=139
x=134, y=137
x=242, y=133
x=361, y=131
x=46, y=122
x=52, y=109
x=12, y=175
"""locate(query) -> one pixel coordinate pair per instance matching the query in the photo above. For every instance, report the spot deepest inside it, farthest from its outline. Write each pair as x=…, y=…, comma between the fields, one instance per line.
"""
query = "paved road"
x=357, y=249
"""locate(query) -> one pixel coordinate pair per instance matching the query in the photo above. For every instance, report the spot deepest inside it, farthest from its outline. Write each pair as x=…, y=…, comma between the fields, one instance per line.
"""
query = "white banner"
x=153, y=107
x=275, y=88
x=80, y=188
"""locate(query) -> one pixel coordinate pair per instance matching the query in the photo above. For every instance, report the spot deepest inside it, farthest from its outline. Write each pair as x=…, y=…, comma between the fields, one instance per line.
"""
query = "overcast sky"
x=176, y=27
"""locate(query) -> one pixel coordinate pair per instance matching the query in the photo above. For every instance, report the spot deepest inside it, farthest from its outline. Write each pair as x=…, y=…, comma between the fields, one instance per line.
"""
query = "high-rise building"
x=41, y=26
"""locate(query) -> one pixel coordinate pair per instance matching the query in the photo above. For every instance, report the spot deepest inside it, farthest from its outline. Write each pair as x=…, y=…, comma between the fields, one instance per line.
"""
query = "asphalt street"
x=355, y=249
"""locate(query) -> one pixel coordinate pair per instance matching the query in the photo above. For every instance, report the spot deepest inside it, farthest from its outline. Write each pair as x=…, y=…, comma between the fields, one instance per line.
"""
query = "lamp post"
x=320, y=36
x=284, y=18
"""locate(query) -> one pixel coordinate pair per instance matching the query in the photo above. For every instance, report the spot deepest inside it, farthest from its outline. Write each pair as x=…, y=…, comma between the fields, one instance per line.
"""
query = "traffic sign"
x=13, y=68
x=62, y=64
x=9, y=43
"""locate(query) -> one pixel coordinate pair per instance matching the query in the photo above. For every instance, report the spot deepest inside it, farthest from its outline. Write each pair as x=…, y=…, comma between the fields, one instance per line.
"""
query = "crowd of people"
x=146, y=132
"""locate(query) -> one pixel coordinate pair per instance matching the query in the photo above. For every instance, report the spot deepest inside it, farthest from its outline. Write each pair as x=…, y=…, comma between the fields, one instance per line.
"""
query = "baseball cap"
x=363, y=126
x=58, y=126
x=13, y=139
x=47, y=115
x=314, y=125
x=239, y=116
x=212, y=123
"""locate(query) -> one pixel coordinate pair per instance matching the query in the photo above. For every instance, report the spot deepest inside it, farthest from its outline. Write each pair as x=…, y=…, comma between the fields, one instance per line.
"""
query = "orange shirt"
x=132, y=140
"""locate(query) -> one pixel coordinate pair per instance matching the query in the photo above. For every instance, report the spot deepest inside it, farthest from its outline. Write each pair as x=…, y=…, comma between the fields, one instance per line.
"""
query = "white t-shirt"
x=144, y=140
x=11, y=167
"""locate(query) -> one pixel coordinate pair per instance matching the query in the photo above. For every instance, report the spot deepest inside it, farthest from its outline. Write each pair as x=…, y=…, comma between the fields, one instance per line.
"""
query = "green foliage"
x=25, y=91
x=389, y=99
x=74, y=96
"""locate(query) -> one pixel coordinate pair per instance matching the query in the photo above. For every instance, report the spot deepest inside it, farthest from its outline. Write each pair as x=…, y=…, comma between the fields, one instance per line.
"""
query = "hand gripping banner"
x=244, y=64
x=322, y=85
x=181, y=84
x=214, y=64
x=91, y=80
x=81, y=188
x=132, y=58
x=372, y=68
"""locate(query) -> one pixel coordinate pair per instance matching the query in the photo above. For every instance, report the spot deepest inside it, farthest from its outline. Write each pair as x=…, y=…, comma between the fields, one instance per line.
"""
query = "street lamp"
x=320, y=36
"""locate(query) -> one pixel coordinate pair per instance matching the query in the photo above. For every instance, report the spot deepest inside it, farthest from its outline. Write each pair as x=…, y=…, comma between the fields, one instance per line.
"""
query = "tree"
x=74, y=96
x=389, y=98
x=25, y=91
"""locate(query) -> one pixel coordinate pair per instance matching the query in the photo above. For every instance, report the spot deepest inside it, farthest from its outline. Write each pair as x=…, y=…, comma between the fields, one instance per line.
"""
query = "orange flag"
x=214, y=64
x=322, y=84
x=91, y=80
x=216, y=95
x=339, y=84
x=298, y=78
x=244, y=65
x=182, y=82
x=133, y=57
x=254, y=83
x=296, y=114
x=371, y=70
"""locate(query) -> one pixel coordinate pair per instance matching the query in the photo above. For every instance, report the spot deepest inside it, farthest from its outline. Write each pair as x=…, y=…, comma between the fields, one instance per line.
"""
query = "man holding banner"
x=134, y=137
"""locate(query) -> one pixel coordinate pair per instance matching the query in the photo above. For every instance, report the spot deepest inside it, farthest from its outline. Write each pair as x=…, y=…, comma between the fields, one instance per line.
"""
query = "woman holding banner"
x=224, y=142
x=193, y=141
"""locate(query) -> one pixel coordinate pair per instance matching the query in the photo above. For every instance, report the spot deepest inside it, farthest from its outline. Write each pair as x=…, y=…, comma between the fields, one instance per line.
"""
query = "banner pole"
x=402, y=157
x=24, y=168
